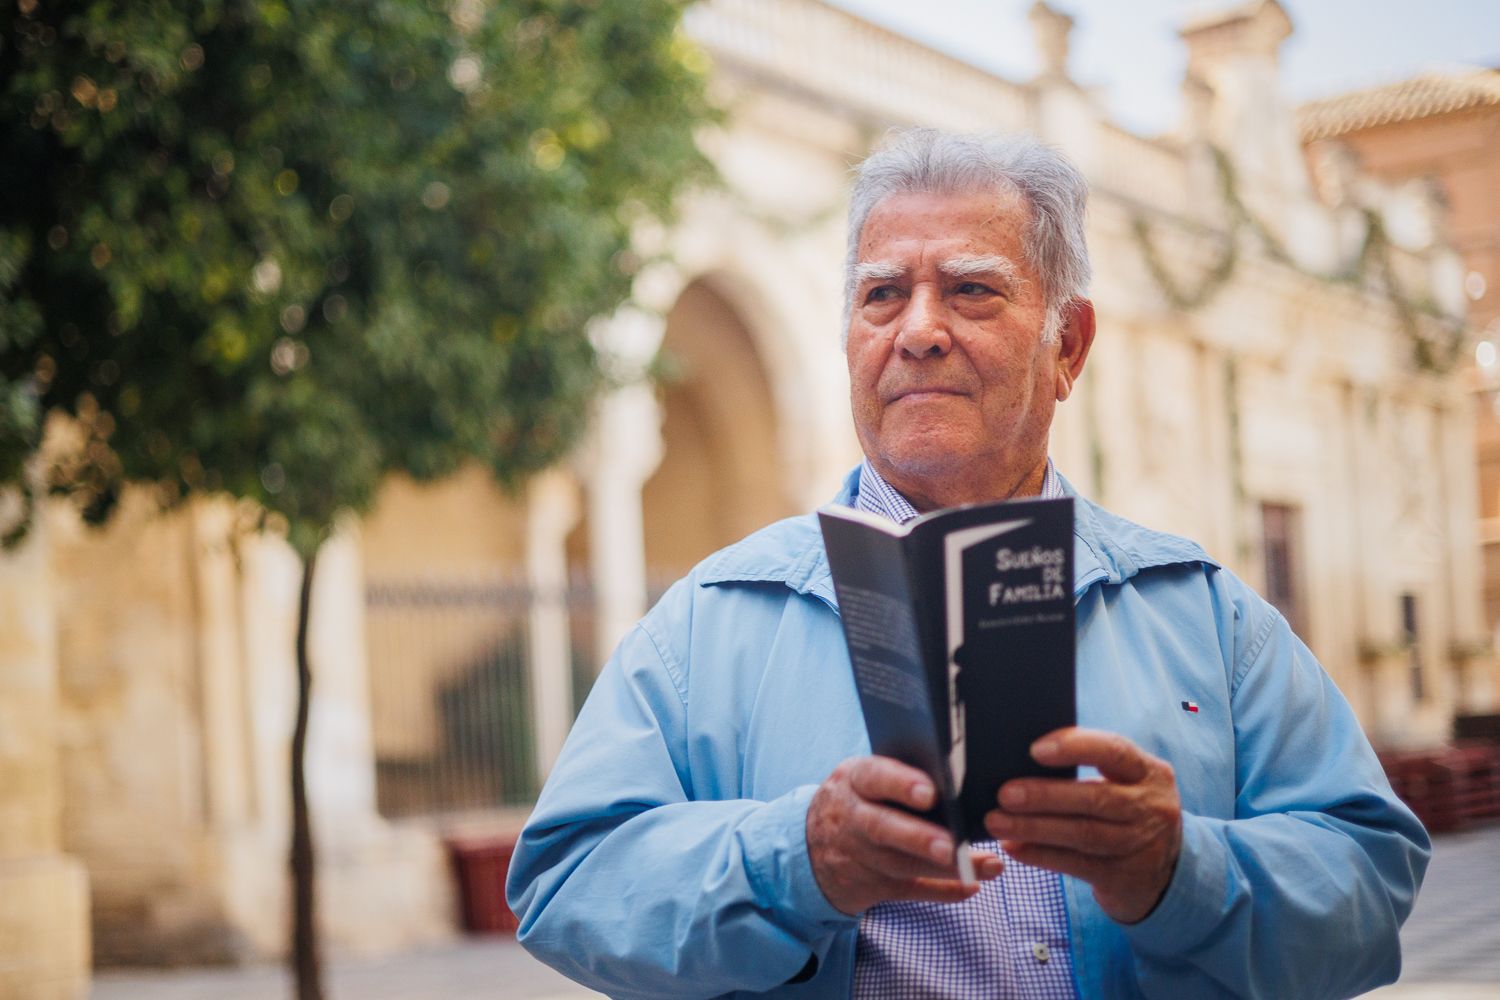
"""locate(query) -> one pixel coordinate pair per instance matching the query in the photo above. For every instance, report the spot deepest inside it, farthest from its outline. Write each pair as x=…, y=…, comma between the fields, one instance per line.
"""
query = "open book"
x=960, y=627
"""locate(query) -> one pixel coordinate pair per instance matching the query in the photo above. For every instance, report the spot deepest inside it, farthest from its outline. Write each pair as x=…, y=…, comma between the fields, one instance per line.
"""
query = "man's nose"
x=924, y=331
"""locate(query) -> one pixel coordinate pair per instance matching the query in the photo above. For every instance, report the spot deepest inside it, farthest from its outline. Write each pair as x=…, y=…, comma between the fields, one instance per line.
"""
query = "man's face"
x=951, y=385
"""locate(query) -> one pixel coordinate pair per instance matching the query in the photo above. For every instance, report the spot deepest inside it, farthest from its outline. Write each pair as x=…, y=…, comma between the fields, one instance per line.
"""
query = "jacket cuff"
x=774, y=839
x=1193, y=905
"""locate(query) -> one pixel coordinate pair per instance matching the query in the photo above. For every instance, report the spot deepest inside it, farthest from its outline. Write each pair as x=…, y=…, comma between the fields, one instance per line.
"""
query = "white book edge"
x=876, y=521
x=965, y=859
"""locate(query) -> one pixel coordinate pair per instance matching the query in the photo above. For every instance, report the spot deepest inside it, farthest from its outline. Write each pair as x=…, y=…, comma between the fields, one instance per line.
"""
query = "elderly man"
x=716, y=826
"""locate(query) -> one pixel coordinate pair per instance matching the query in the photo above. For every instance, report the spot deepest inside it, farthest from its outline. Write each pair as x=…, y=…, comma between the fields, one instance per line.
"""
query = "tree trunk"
x=307, y=964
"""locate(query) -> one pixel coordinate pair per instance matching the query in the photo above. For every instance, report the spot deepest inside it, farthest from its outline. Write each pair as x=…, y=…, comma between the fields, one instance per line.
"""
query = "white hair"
x=929, y=161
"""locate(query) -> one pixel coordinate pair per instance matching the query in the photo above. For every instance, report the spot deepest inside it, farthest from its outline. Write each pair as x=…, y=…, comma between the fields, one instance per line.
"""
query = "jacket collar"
x=1106, y=549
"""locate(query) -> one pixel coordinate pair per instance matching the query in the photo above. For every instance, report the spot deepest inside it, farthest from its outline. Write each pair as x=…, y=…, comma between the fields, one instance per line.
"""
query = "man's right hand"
x=864, y=852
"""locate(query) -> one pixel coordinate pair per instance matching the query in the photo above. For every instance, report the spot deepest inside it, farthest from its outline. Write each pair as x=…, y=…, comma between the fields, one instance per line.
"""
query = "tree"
x=278, y=249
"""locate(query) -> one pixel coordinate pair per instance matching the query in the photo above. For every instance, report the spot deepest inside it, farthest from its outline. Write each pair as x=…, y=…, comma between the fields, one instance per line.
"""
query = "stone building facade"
x=1255, y=384
x=1441, y=132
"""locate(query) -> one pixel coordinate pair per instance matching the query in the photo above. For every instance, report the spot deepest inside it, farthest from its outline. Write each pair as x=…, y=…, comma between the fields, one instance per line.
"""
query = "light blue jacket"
x=667, y=855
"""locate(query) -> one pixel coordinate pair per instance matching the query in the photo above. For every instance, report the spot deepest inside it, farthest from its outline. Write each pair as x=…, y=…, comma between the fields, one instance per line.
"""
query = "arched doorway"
x=721, y=474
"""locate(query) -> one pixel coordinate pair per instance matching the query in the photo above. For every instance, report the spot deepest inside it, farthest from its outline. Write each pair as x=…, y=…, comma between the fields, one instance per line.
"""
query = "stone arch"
x=792, y=325
x=722, y=470
x=787, y=351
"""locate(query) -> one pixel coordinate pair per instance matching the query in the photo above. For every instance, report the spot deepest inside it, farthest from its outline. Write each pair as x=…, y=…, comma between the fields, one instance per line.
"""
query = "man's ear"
x=1074, y=341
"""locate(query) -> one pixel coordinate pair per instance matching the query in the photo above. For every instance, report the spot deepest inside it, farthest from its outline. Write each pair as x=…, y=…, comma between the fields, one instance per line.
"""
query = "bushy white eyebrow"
x=877, y=270
x=952, y=267
x=969, y=267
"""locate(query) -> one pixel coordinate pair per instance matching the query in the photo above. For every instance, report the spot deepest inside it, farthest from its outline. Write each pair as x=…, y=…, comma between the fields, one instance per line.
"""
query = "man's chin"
x=930, y=464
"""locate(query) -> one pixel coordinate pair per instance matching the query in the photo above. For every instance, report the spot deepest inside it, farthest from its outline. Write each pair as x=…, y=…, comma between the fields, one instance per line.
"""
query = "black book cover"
x=960, y=628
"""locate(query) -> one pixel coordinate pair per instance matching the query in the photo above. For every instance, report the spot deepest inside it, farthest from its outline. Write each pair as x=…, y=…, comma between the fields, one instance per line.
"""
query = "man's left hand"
x=1122, y=835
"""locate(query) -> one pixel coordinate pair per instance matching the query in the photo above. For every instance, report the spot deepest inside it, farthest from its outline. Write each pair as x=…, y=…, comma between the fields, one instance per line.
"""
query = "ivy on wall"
x=1236, y=456
x=1435, y=354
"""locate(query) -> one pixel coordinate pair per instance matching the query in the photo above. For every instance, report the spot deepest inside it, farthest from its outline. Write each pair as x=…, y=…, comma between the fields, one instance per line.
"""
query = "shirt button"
x=1040, y=950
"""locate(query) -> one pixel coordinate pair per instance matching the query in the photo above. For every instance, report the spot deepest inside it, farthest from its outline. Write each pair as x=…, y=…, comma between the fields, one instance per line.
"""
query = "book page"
x=879, y=618
x=876, y=626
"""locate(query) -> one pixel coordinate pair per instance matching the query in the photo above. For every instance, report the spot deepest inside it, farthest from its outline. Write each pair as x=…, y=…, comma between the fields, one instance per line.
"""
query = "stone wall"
x=44, y=894
x=175, y=646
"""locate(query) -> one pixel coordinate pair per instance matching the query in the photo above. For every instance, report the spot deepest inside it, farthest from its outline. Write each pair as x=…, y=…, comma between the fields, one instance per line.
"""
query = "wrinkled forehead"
x=957, y=219
x=1005, y=203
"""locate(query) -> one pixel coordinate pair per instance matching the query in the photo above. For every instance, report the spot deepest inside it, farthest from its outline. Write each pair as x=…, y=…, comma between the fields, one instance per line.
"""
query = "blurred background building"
x=1441, y=131
x=1283, y=372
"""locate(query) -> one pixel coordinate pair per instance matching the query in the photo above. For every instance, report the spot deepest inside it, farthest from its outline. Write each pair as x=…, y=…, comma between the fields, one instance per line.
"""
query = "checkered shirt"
x=1009, y=940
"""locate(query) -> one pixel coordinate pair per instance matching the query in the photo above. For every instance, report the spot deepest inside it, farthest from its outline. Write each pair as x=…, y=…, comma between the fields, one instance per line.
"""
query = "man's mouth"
x=925, y=392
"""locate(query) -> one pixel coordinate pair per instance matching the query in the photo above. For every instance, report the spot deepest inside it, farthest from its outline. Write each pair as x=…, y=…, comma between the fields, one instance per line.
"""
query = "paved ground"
x=475, y=969
x=1452, y=939
x=1451, y=943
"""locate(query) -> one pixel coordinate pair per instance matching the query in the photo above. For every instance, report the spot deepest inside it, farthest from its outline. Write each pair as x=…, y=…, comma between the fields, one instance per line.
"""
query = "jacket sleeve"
x=624, y=883
x=1303, y=891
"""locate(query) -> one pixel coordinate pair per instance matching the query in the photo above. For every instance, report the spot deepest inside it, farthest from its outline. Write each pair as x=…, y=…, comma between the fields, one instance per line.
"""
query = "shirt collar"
x=1107, y=549
x=876, y=496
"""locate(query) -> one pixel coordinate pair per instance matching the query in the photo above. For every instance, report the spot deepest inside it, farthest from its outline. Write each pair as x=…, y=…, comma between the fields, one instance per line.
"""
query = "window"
x=1280, y=530
x=1409, y=636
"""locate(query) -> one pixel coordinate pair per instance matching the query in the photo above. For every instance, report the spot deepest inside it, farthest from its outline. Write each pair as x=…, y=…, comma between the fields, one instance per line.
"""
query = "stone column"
x=382, y=886
x=341, y=744
x=629, y=448
x=227, y=786
x=625, y=449
x=1474, y=675
x=552, y=509
x=44, y=896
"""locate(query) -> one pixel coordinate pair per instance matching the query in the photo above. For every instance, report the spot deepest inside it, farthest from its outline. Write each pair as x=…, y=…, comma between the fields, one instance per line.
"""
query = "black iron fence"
x=450, y=695
x=584, y=661
x=451, y=688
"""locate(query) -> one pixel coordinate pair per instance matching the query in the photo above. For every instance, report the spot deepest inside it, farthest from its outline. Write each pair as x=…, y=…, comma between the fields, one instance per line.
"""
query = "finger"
x=1116, y=757
x=1057, y=859
x=881, y=779
x=1065, y=797
x=931, y=890
x=893, y=864
x=884, y=879
x=884, y=827
x=986, y=864
x=1096, y=838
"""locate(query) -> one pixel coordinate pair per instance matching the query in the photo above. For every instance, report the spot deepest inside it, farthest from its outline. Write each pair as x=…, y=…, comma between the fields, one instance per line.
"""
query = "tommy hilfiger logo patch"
x=1190, y=706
